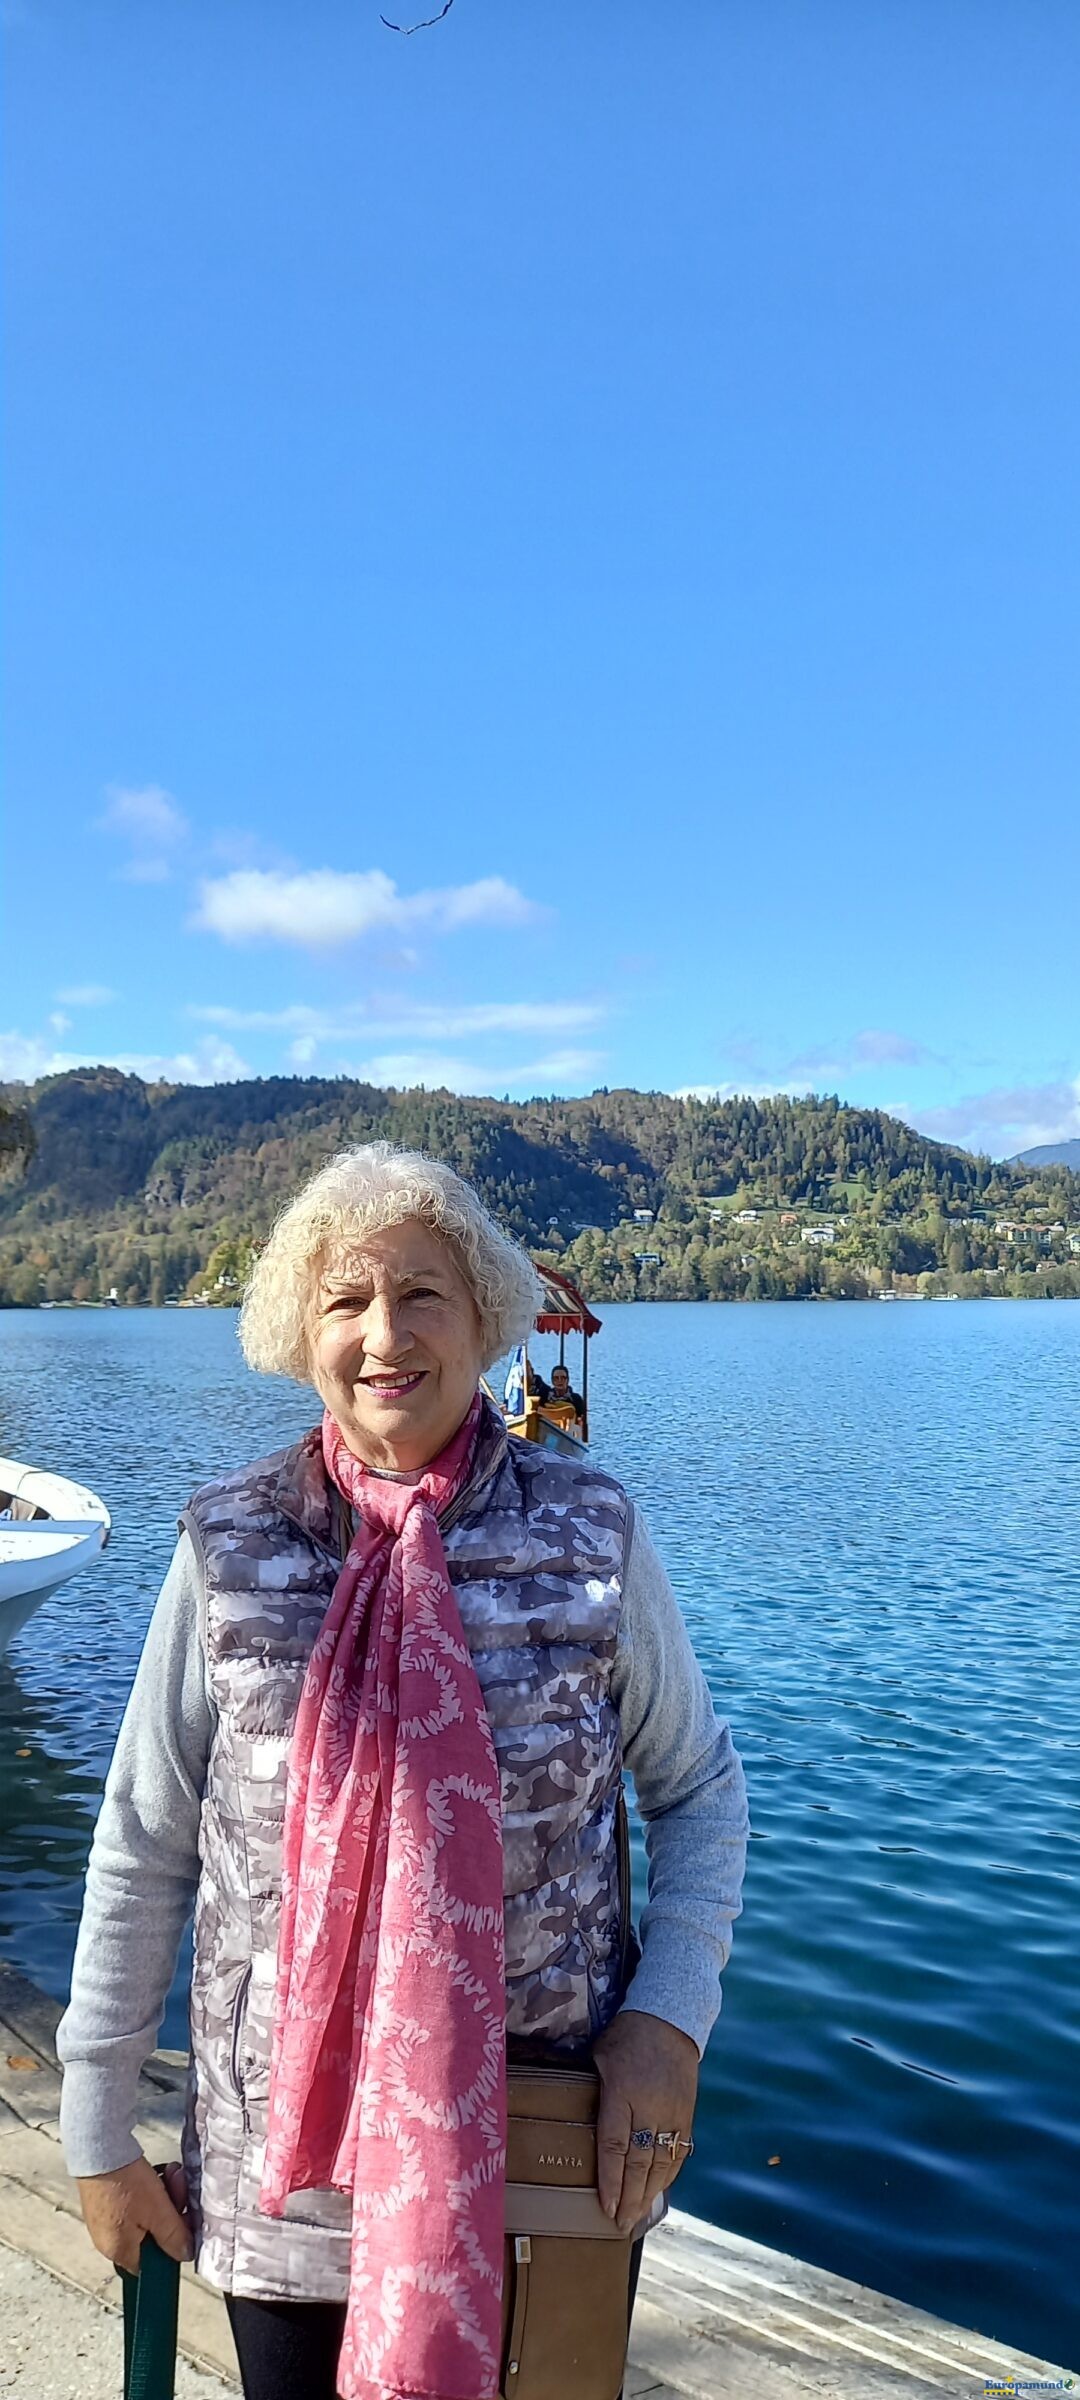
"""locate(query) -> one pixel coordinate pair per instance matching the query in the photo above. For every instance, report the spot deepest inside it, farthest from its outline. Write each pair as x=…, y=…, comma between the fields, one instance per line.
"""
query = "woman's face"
x=395, y=1345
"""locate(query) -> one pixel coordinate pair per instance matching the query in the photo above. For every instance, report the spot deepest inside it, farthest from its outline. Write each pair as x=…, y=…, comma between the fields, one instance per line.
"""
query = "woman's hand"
x=118, y=2209
x=649, y=2075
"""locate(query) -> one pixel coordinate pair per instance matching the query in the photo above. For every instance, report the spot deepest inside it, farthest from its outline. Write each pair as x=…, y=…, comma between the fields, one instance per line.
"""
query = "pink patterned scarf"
x=388, y=2074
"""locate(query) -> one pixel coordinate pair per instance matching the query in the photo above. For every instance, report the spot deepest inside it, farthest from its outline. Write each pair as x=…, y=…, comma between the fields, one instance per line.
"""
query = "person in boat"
x=561, y=1390
x=322, y=1698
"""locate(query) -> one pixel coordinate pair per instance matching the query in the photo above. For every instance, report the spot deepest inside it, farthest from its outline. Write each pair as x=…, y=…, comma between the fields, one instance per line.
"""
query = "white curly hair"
x=358, y=1193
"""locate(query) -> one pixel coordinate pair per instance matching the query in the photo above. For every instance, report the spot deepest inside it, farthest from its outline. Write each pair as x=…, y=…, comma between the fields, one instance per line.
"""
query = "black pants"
x=288, y=2349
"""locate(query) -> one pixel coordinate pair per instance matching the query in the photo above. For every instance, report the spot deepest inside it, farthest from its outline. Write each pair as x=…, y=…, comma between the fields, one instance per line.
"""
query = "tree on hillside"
x=17, y=1138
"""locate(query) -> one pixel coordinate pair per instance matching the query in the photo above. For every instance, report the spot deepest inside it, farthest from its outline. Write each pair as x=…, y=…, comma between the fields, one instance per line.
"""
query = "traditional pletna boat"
x=529, y=1406
x=49, y=1528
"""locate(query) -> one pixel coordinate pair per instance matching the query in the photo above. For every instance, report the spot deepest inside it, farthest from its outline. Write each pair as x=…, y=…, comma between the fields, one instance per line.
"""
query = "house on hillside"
x=643, y=1216
x=820, y=1234
x=746, y=1216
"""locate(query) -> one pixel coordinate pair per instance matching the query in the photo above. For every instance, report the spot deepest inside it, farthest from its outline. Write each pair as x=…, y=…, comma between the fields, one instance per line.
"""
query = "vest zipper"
x=236, y=2074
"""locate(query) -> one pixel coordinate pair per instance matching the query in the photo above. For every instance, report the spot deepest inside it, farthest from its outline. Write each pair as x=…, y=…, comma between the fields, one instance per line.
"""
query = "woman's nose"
x=384, y=1336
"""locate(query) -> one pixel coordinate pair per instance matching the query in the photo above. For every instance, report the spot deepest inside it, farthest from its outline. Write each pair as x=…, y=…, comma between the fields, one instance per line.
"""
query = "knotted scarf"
x=388, y=2071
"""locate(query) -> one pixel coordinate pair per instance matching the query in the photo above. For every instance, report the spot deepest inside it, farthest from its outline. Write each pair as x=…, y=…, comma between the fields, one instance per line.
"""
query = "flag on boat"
x=514, y=1387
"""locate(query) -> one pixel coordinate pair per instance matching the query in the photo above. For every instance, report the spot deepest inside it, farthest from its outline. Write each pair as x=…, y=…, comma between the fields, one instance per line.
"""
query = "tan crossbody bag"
x=566, y=2272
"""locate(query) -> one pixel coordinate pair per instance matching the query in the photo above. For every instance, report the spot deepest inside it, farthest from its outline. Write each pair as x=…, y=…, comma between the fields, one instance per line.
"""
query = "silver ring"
x=642, y=2139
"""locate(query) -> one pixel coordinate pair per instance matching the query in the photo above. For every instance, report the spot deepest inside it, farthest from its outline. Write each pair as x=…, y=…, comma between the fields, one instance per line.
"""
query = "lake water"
x=871, y=1517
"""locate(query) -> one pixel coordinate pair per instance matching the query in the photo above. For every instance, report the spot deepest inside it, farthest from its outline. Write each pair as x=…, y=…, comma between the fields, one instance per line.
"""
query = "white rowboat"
x=49, y=1528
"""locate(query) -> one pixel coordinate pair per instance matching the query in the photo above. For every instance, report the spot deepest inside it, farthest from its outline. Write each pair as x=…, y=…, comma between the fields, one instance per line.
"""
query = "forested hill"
x=158, y=1191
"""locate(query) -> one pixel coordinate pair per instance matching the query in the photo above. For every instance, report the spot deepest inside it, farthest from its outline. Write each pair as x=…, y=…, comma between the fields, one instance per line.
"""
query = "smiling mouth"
x=391, y=1387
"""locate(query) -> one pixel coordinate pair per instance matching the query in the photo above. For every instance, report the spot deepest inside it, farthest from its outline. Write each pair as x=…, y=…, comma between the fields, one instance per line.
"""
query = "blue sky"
x=546, y=553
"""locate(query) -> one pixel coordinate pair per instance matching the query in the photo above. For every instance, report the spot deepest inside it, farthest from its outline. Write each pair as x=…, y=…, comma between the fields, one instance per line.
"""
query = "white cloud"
x=492, y=901
x=264, y=1020
x=149, y=819
x=25, y=1057
x=145, y=870
x=418, y=1018
x=322, y=907
x=148, y=814
x=1007, y=1119
x=408, y=1068
x=58, y=1021
x=500, y=1016
x=761, y=1072
x=876, y=1047
x=85, y=995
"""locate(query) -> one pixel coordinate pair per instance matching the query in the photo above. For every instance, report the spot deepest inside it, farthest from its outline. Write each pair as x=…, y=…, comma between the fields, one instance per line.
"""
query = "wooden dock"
x=717, y=2317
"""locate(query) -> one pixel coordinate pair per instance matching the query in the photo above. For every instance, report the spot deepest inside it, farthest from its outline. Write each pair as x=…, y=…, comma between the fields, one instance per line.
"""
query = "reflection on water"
x=871, y=1518
x=50, y=1799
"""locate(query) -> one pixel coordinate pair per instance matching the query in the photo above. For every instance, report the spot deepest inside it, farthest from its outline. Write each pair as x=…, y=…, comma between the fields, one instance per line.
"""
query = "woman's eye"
x=422, y=1291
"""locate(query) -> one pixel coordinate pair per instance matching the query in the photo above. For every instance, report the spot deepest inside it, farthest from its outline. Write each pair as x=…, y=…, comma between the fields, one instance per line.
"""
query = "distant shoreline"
x=146, y=1194
x=130, y=1308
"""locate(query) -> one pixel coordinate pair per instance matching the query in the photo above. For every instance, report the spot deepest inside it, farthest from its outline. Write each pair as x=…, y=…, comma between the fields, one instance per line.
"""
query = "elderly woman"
x=376, y=1738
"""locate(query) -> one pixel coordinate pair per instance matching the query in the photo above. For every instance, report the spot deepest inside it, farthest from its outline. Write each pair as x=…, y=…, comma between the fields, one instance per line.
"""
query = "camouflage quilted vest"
x=534, y=1546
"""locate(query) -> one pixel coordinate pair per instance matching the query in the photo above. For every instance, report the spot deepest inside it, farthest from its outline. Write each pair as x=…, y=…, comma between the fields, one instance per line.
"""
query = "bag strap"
x=627, y=1941
x=151, y=2305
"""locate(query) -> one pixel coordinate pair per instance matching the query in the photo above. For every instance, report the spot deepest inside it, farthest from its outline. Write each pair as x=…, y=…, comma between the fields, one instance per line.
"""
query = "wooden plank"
x=30, y=2095
x=29, y=2223
x=58, y=2343
x=30, y=2158
x=58, y=2240
x=30, y=2013
x=688, y=2363
x=702, y=2267
x=31, y=2090
x=807, y=2325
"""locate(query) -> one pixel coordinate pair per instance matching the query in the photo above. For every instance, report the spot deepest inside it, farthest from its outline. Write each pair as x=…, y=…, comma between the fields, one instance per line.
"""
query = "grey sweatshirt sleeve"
x=140, y=1882
x=691, y=1793
x=144, y=1865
